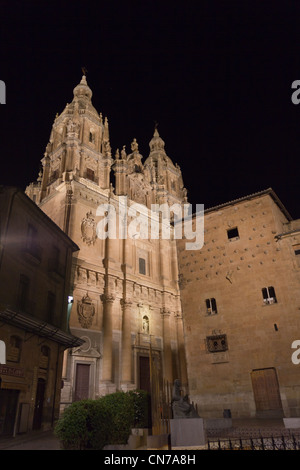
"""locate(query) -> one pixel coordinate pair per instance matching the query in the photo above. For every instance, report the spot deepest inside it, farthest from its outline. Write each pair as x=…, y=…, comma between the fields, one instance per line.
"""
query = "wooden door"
x=145, y=374
x=266, y=389
x=8, y=408
x=82, y=383
x=39, y=403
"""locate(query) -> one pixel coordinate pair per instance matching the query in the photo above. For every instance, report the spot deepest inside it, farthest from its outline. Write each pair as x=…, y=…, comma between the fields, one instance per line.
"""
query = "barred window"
x=217, y=343
x=269, y=296
x=90, y=174
x=211, y=306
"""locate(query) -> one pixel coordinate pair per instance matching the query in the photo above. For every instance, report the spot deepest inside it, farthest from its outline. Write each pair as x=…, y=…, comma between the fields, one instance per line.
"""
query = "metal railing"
x=291, y=442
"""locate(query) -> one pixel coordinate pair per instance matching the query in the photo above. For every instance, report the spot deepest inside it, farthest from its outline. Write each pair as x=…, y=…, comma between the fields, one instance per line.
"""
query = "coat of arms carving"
x=88, y=229
x=86, y=311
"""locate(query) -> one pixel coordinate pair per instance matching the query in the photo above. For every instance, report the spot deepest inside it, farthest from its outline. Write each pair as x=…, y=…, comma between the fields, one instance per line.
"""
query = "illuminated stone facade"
x=230, y=310
x=125, y=291
x=244, y=317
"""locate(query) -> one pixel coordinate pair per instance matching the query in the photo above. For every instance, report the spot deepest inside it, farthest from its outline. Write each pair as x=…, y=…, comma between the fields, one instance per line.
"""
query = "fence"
x=291, y=442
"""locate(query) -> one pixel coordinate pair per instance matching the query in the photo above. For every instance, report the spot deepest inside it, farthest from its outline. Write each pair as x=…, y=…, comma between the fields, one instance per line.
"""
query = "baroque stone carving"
x=88, y=229
x=106, y=298
x=145, y=325
x=86, y=311
x=73, y=127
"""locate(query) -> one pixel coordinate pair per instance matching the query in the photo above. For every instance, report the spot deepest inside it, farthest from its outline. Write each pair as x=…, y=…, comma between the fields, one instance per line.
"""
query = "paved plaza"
x=241, y=428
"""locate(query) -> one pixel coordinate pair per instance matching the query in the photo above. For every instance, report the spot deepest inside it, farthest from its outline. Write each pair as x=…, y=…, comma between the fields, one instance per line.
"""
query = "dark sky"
x=215, y=75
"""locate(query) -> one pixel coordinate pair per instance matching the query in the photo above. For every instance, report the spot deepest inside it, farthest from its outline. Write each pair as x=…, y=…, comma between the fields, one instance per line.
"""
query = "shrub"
x=84, y=425
x=141, y=406
x=120, y=405
x=92, y=424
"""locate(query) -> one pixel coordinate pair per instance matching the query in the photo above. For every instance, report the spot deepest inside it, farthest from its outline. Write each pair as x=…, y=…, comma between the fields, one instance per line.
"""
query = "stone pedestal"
x=291, y=423
x=187, y=432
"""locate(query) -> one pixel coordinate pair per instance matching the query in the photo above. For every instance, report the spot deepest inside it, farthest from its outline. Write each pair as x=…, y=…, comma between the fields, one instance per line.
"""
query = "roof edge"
x=268, y=191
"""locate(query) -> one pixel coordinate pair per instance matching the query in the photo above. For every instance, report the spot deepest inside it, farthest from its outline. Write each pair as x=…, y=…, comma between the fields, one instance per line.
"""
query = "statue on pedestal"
x=181, y=406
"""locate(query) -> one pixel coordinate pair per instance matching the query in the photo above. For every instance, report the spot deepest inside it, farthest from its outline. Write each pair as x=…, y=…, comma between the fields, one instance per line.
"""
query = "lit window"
x=211, y=306
x=269, y=296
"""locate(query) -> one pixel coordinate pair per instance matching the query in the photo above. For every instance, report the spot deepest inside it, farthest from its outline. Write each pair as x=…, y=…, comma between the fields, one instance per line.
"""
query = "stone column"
x=168, y=369
x=107, y=300
x=126, y=342
x=65, y=363
x=181, y=351
x=46, y=175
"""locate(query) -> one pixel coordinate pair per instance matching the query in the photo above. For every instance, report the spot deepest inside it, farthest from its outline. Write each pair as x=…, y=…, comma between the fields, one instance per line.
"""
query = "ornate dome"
x=156, y=143
x=157, y=150
x=82, y=90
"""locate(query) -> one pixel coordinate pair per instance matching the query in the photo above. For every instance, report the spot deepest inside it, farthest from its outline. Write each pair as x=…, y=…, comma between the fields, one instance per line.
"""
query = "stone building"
x=126, y=294
x=225, y=329
x=241, y=323
x=35, y=270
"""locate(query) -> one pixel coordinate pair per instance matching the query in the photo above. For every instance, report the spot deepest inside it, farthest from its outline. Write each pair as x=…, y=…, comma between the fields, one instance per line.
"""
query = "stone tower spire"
x=79, y=146
x=165, y=176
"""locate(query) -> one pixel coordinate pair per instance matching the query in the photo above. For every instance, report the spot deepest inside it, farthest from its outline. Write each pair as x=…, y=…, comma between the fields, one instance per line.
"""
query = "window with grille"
x=211, y=306
x=269, y=296
x=217, y=343
x=90, y=174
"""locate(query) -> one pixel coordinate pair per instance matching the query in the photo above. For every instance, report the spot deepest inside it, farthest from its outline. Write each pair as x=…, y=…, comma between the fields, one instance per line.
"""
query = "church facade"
x=126, y=298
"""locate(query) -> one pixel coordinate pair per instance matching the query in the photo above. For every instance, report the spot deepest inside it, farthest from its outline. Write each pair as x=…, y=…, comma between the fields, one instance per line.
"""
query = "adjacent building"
x=35, y=283
x=241, y=306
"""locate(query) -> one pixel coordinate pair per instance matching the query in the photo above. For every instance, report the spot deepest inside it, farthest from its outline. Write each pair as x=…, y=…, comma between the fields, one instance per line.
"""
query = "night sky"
x=215, y=75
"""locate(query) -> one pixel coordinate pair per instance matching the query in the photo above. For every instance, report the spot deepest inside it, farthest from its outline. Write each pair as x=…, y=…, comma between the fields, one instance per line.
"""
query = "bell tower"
x=78, y=147
x=156, y=181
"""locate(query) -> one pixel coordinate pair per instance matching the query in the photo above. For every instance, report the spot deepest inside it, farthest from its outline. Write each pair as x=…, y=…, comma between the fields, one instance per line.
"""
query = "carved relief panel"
x=86, y=311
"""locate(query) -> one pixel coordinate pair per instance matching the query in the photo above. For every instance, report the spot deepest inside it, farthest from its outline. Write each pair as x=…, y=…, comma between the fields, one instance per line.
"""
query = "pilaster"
x=107, y=300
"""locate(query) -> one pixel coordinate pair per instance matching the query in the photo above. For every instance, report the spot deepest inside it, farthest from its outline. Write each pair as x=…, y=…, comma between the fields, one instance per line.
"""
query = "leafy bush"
x=141, y=400
x=92, y=424
x=121, y=408
x=84, y=425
